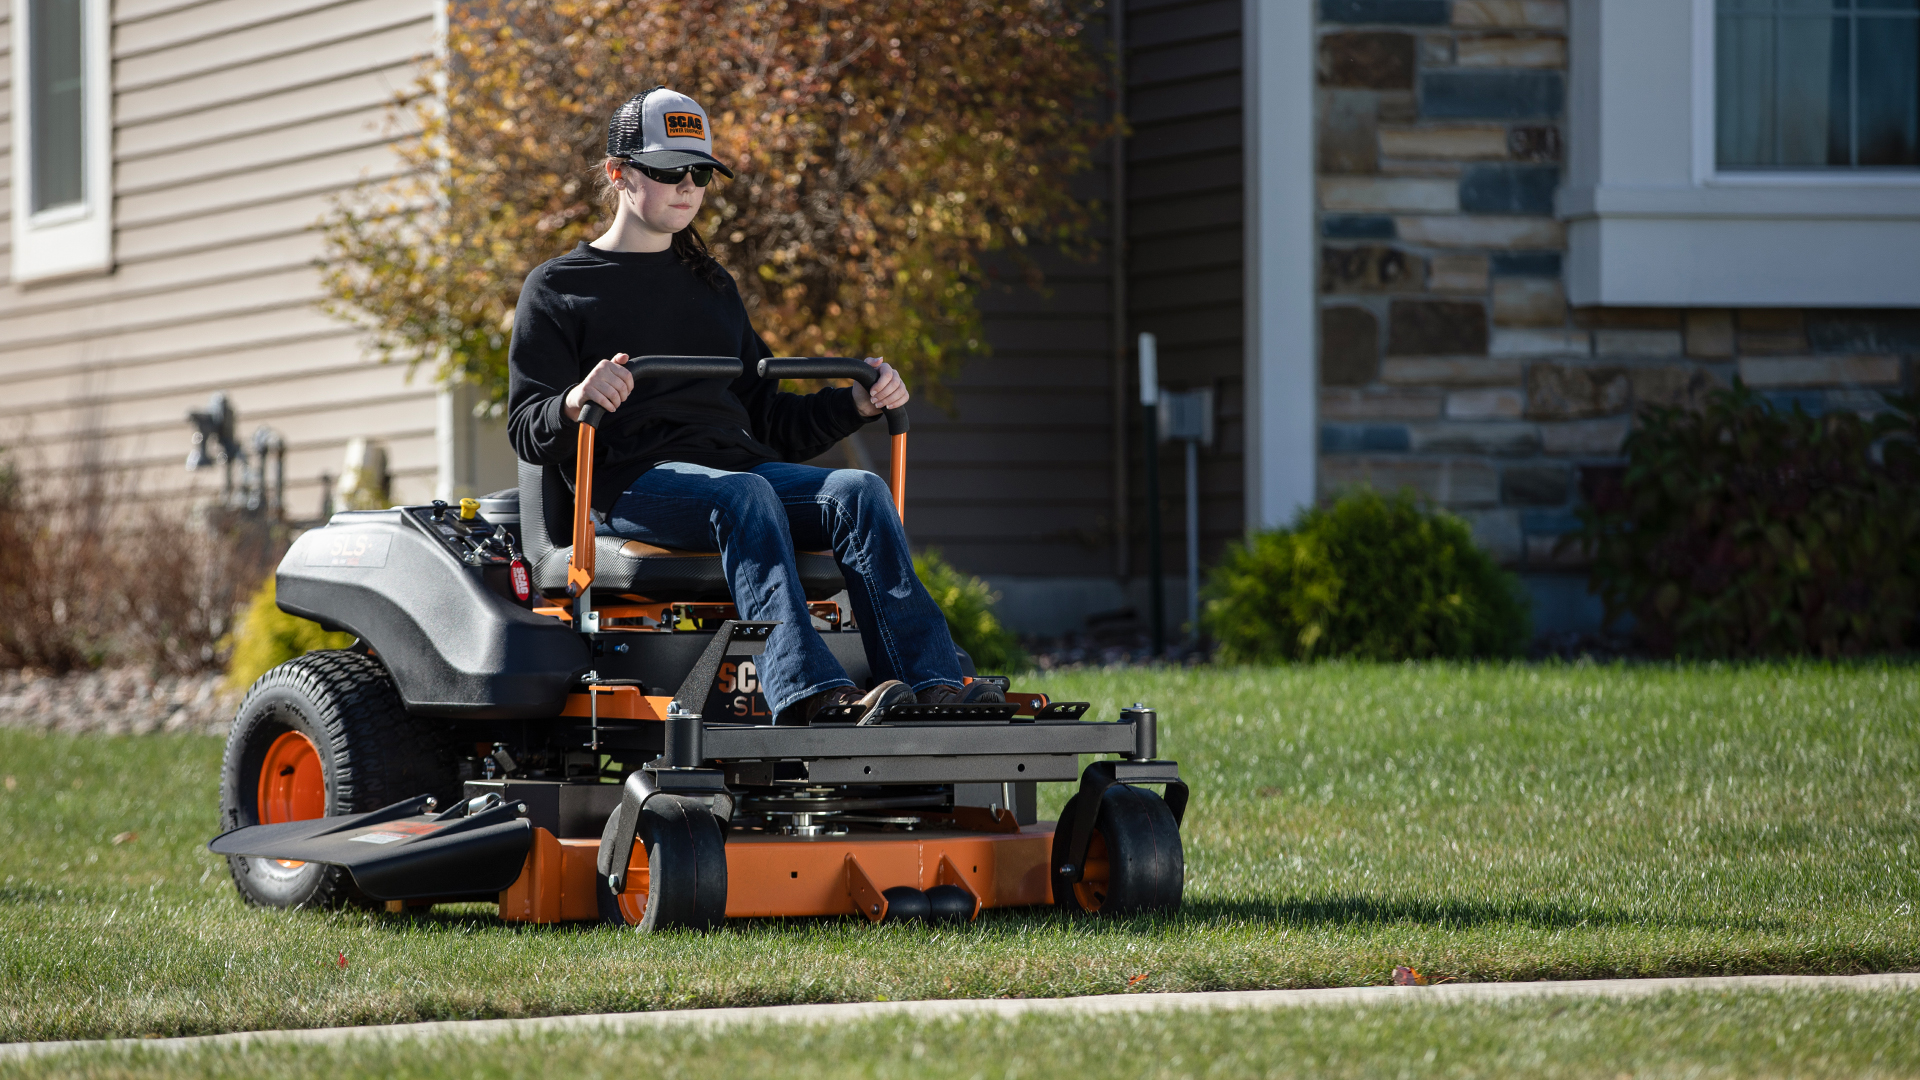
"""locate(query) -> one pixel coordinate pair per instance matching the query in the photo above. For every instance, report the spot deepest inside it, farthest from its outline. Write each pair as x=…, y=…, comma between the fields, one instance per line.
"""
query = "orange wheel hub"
x=1091, y=889
x=292, y=786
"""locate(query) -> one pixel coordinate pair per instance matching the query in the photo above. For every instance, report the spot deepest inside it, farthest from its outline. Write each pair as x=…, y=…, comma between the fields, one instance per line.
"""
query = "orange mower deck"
x=801, y=876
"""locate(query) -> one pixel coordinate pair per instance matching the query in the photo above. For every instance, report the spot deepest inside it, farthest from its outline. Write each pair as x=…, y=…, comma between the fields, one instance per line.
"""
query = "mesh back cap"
x=664, y=129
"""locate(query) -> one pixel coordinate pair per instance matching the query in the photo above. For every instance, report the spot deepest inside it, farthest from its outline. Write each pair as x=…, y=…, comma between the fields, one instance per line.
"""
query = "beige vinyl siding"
x=235, y=123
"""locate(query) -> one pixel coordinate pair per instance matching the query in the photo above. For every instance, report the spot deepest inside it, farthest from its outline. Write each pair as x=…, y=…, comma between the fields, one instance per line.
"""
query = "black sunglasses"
x=702, y=174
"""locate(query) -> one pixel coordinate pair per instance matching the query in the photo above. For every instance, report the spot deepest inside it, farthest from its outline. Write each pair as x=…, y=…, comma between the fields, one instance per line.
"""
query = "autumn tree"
x=882, y=149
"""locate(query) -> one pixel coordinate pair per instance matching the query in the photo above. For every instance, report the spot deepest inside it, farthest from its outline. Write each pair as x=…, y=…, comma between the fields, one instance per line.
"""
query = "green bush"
x=967, y=603
x=268, y=637
x=1742, y=530
x=1372, y=578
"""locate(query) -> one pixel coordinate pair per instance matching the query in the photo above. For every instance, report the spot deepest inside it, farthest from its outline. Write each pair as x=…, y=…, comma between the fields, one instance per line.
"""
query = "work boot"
x=804, y=710
x=974, y=693
x=883, y=697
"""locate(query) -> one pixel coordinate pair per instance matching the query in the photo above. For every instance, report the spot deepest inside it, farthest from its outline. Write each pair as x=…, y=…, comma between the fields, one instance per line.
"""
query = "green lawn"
x=1837, y=1034
x=1476, y=822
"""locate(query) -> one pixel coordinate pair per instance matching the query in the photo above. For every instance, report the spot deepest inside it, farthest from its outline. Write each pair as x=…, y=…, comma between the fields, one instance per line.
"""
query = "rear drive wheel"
x=686, y=870
x=1134, y=861
x=321, y=734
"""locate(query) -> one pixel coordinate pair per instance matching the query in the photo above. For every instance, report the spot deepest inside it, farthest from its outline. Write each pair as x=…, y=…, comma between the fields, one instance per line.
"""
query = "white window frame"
x=1654, y=222
x=65, y=241
x=1706, y=120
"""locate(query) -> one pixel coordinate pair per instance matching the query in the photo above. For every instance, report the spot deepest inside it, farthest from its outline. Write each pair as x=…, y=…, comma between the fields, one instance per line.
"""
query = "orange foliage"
x=882, y=148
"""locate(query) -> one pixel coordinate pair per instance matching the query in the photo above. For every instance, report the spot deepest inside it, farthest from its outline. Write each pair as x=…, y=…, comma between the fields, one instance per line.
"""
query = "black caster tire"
x=331, y=729
x=1134, y=862
x=686, y=870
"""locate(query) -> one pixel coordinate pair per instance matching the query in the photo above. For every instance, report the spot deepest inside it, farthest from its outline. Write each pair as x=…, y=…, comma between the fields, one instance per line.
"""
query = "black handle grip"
x=832, y=367
x=668, y=367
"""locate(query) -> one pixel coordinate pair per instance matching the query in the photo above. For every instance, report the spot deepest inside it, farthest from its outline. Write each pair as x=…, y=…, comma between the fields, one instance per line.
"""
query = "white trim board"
x=1282, y=319
x=1652, y=220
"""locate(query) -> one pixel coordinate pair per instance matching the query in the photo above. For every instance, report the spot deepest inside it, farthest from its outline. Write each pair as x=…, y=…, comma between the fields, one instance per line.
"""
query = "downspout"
x=1117, y=252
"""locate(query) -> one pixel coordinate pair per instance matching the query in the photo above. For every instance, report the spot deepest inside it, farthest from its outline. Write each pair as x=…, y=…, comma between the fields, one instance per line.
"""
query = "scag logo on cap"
x=685, y=125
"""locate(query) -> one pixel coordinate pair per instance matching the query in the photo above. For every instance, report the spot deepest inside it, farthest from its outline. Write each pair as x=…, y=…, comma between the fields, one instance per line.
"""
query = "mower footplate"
x=400, y=852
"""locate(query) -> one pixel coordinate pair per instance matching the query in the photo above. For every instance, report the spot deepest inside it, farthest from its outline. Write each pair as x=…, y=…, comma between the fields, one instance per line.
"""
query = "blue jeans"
x=756, y=520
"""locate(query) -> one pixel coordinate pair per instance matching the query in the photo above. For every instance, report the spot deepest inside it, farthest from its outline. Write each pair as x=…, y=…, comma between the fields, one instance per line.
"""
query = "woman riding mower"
x=706, y=465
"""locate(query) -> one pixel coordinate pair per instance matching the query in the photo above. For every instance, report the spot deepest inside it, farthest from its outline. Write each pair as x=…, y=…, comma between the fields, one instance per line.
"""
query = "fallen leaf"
x=1406, y=976
x=125, y=837
x=1136, y=980
x=12, y=783
x=343, y=961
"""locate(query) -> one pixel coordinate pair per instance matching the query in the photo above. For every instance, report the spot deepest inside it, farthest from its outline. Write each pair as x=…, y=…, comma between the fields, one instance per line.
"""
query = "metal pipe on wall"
x=1117, y=222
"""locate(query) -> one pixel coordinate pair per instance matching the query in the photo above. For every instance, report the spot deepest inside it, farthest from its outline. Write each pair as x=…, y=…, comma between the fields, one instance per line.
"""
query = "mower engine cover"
x=450, y=632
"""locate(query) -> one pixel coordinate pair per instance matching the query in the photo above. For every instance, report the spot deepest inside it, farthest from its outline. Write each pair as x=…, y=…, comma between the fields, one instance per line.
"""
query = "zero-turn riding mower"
x=576, y=732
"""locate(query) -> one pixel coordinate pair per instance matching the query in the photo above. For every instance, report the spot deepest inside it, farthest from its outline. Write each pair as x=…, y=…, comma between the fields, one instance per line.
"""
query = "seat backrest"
x=546, y=510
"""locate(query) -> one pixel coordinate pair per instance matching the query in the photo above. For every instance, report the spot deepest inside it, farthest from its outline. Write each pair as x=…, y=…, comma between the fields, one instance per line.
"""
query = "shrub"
x=90, y=577
x=55, y=611
x=1370, y=577
x=268, y=637
x=1744, y=530
x=967, y=603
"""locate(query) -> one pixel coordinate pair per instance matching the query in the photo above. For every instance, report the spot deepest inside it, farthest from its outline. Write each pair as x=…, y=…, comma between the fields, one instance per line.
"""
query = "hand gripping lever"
x=844, y=367
x=580, y=561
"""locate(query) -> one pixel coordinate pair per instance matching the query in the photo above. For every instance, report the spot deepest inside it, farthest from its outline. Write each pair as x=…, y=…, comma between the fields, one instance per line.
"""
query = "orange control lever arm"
x=580, y=559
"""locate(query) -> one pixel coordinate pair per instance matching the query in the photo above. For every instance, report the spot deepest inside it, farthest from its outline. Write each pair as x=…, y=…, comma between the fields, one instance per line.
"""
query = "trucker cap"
x=662, y=128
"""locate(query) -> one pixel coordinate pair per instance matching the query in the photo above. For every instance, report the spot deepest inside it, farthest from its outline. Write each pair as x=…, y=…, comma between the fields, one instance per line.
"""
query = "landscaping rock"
x=117, y=701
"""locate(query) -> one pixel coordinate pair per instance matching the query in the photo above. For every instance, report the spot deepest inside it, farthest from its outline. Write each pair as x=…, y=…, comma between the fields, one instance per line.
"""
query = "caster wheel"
x=1134, y=861
x=322, y=734
x=686, y=870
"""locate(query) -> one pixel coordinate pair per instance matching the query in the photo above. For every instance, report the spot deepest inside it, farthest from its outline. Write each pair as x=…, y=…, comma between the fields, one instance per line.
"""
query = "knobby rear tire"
x=371, y=754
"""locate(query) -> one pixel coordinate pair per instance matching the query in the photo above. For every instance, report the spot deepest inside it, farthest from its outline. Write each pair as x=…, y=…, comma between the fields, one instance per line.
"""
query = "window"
x=1817, y=84
x=62, y=183
x=58, y=126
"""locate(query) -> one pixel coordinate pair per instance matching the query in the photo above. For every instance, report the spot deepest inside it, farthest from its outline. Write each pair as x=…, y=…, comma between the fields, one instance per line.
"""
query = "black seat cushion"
x=631, y=567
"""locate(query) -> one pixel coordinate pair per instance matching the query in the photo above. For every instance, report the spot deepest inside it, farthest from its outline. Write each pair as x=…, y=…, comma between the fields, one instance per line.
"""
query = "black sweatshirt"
x=588, y=305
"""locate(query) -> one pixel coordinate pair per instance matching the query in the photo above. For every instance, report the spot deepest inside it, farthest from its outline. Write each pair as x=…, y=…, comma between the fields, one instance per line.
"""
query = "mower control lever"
x=832, y=367
x=580, y=564
x=846, y=367
x=668, y=367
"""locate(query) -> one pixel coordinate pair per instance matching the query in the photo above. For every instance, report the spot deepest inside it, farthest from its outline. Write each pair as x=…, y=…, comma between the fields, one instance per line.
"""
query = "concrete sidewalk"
x=953, y=1009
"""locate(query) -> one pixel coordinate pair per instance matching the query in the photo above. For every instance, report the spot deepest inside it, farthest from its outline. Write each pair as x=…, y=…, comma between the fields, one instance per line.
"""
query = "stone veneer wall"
x=1450, y=361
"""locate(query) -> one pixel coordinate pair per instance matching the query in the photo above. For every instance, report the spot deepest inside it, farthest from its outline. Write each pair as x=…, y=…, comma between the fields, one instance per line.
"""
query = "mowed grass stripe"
x=1497, y=822
x=1819, y=1034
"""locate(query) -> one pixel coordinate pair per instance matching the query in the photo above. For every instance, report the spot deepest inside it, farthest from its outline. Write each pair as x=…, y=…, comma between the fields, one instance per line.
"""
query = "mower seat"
x=629, y=566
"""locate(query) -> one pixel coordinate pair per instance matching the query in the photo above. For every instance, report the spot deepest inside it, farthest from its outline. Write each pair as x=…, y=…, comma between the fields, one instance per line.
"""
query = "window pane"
x=56, y=126
x=1889, y=91
x=1781, y=91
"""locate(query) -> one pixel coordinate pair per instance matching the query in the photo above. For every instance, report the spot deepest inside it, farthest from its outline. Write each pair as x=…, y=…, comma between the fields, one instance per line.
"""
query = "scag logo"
x=685, y=125
x=742, y=682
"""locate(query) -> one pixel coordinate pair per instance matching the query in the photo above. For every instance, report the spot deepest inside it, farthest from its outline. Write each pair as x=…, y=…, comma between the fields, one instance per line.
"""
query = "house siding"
x=235, y=124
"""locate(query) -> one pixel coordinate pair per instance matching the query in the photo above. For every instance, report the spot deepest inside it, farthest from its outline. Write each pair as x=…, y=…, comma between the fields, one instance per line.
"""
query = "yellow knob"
x=468, y=508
